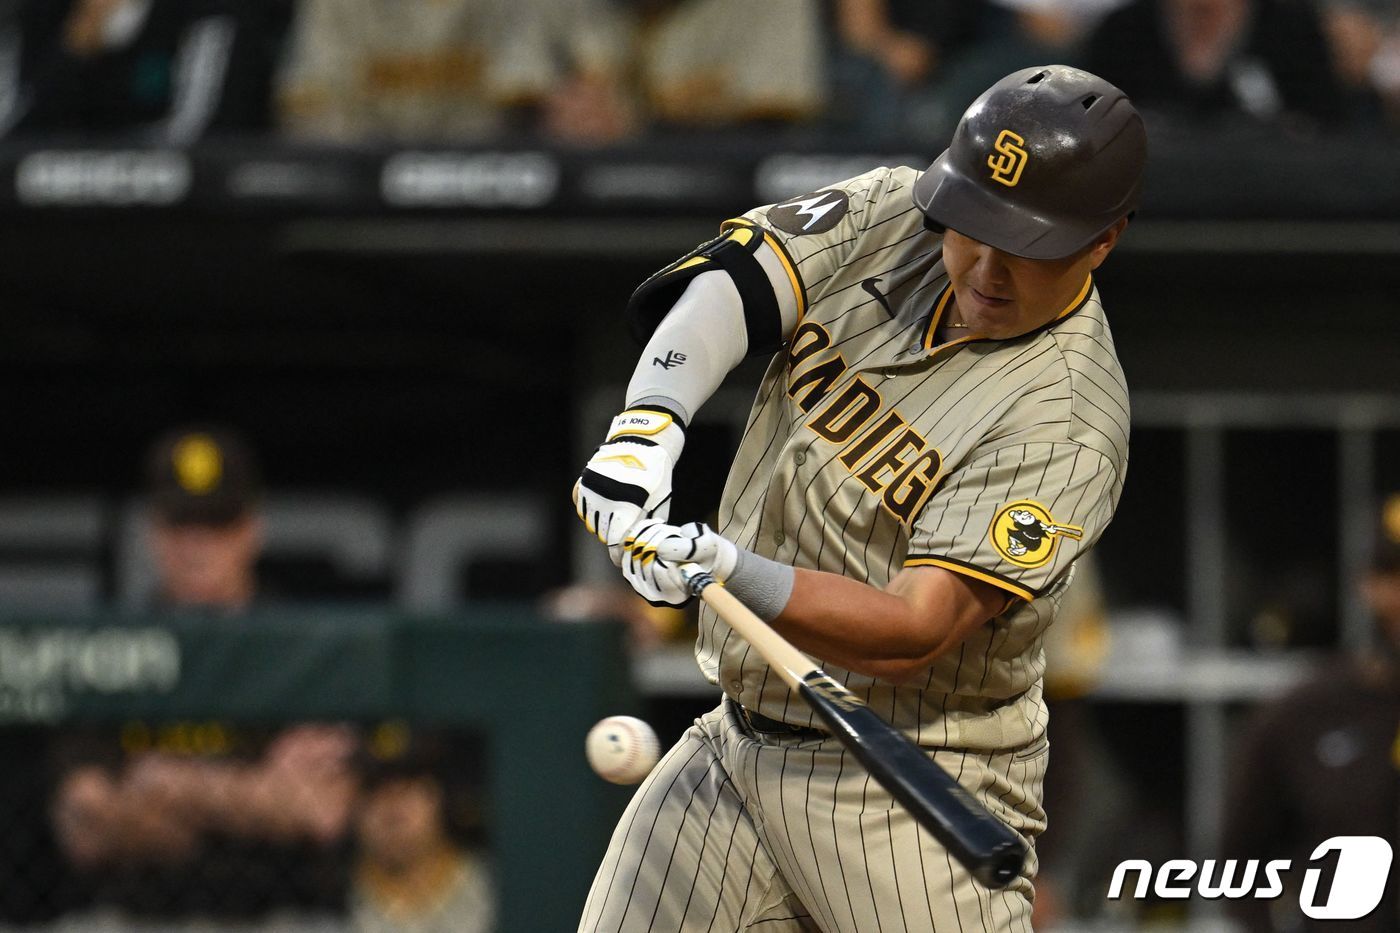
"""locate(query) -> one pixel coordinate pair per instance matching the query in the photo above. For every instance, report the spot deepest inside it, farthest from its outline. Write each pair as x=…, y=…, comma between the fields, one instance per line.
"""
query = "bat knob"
x=696, y=578
x=1003, y=866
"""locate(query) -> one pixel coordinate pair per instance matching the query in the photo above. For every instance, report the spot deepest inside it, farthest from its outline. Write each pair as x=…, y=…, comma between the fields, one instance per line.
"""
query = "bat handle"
x=696, y=578
x=790, y=664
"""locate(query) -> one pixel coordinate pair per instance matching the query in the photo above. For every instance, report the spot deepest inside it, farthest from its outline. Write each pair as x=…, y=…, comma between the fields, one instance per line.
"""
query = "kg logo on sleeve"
x=1025, y=534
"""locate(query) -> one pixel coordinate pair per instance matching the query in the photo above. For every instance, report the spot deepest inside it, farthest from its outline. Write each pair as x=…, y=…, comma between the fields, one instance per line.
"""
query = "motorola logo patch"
x=813, y=213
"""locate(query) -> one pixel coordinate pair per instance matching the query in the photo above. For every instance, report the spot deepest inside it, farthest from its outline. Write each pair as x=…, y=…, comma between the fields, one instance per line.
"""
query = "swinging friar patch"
x=1025, y=534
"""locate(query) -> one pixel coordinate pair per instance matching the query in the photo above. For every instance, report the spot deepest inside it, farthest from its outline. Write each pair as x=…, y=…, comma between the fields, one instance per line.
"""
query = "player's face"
x=1001, y=296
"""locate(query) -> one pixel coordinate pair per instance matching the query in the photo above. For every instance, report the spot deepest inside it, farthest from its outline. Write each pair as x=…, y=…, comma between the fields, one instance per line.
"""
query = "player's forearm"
x=858, y=627
x=693, y=348
x=893, y=634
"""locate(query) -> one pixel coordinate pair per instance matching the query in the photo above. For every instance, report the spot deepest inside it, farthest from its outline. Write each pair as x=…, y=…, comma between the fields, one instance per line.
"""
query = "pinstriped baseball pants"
x=734, y=831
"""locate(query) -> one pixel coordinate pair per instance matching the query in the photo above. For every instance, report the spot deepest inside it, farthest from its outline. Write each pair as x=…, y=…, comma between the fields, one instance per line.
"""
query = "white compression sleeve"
x=701, y=339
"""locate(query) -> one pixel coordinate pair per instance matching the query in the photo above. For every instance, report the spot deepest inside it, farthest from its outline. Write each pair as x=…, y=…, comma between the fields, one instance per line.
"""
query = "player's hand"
x=628, y=479
x=653, y=556
x=657, y=581
x=698, y=543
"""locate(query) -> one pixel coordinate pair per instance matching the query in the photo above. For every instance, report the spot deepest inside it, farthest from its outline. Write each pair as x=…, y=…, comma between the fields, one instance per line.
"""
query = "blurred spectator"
x=1060, y=23
x=412, y=876
x=900, y=36
x=909, y=69
x=206, y=531
x=712, y=63
x=168, y=70
x=1265, y=60
x=888, y=52
x=206, y=819
x=1012, y=34
x=1323, y=761
x=455, y=70
x=1364, y=36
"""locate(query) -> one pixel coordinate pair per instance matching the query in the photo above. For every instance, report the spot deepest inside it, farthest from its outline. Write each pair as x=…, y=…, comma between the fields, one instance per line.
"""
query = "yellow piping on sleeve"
x=787, y=267
x=1014, y=588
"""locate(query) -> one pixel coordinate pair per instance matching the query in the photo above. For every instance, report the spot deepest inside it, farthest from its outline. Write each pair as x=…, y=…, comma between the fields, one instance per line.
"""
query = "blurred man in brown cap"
x=210, y=819
x=1324, y=760
x=206, y=533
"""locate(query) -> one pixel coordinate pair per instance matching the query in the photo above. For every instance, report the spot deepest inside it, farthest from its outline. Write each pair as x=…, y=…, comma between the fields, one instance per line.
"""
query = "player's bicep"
x=1017, y=518
x=951, y=605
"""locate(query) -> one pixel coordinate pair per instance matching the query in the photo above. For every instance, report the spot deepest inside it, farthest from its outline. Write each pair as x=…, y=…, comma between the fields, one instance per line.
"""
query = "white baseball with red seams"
x=622, y=749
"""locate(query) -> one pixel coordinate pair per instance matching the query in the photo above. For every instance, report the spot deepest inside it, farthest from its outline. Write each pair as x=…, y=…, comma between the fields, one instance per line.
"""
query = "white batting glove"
x=628, y=479
x=698, y=543
x=657, y=581
x=655, y=552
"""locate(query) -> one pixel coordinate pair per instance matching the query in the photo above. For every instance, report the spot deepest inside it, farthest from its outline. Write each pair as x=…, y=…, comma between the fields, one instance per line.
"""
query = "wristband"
x=764, y=585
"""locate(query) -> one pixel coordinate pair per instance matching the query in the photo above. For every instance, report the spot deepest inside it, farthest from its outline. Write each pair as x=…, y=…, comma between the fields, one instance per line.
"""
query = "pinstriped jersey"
x=870, y=448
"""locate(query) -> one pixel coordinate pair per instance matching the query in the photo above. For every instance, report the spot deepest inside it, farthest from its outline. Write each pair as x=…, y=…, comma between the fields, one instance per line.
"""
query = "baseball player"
x=942, y=378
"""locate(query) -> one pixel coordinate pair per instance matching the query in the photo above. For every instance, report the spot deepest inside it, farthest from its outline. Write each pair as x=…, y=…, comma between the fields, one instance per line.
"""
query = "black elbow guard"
x=734, y=251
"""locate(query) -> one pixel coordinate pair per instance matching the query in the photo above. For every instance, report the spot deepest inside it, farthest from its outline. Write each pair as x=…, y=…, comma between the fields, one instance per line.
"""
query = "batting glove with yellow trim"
x=653, y=555
x=628, y=479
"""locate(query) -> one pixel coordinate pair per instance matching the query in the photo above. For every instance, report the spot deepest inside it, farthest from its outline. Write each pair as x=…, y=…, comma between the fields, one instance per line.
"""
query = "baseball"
x=622, y=749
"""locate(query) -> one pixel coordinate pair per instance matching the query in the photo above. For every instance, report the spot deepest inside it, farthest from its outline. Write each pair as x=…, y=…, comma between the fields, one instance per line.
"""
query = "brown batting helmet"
x=1042, y=163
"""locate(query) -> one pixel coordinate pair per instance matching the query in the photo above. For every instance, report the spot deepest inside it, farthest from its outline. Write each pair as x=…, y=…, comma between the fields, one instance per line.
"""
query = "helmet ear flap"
x=933, y=226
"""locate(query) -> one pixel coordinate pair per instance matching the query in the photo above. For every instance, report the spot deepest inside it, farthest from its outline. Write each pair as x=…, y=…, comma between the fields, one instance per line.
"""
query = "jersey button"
x=779, y=538
x=800, y=457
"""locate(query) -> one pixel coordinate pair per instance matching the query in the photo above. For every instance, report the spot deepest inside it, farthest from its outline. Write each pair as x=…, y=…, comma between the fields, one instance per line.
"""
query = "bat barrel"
x=990, y=850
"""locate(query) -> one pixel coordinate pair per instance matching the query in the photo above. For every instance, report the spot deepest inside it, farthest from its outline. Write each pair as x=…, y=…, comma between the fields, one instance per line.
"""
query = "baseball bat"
x=990, y=850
